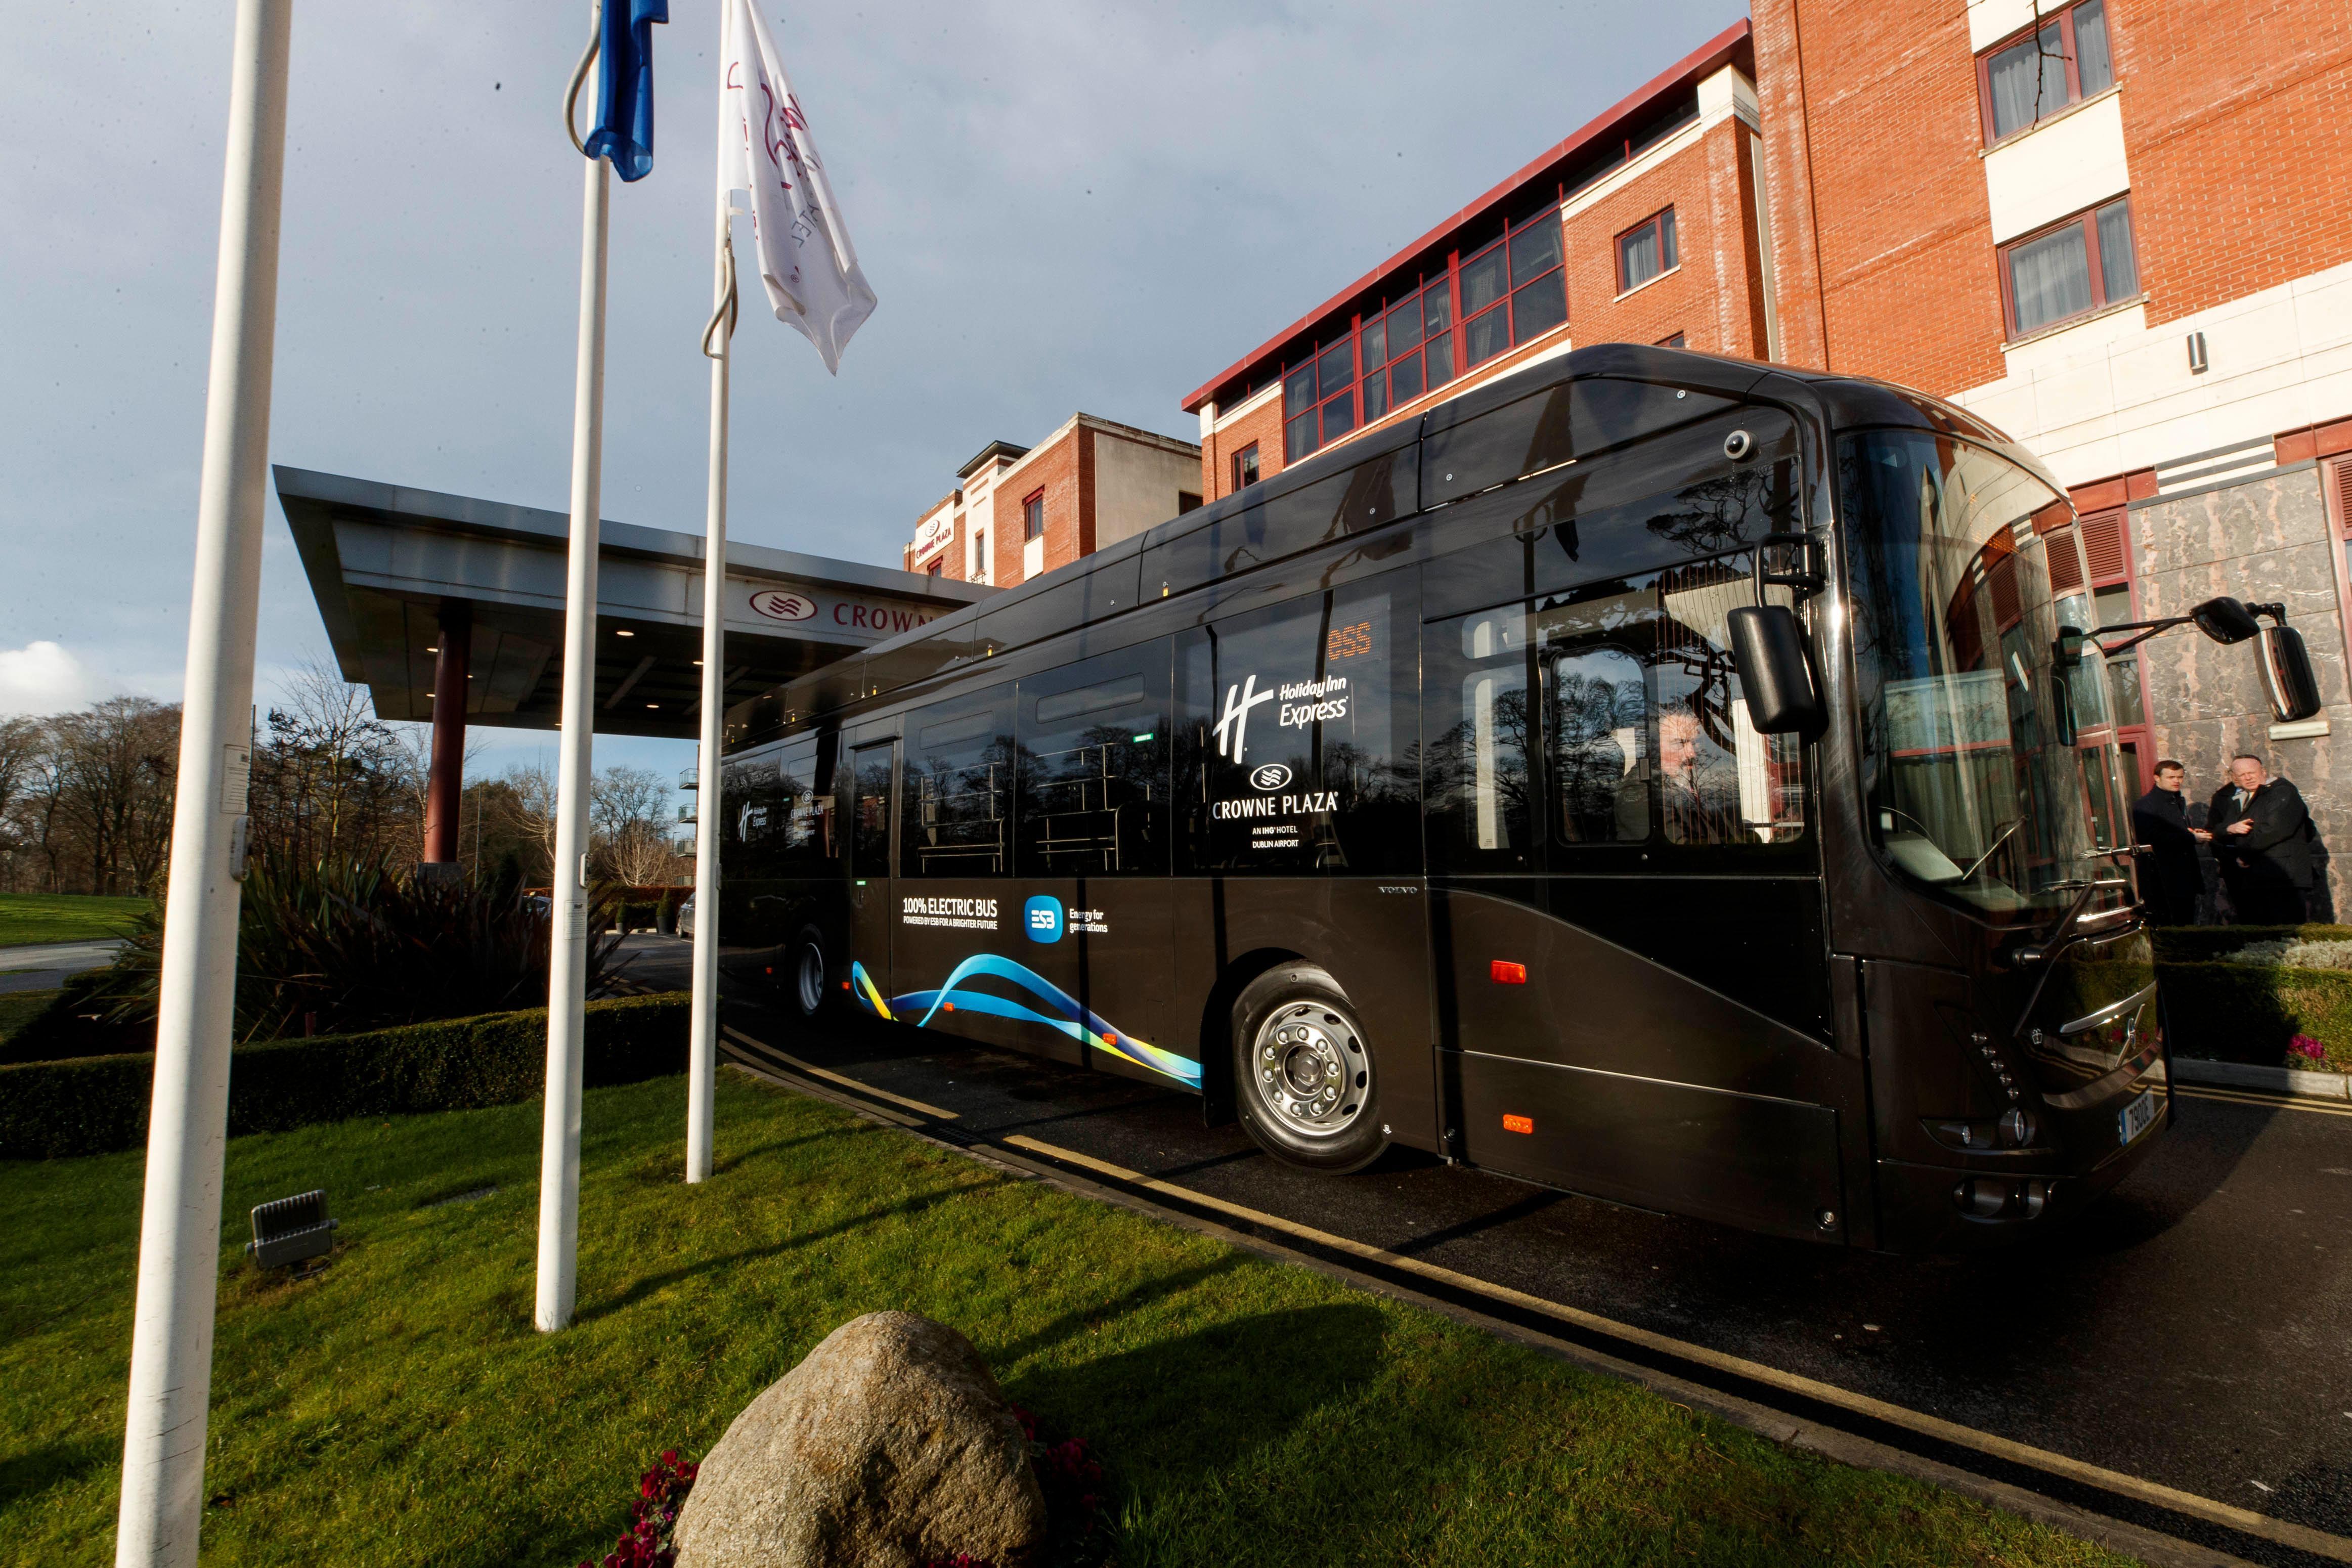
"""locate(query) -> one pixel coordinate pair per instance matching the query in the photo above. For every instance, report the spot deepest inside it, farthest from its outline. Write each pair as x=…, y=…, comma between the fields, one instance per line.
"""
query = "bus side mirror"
x=2066, y=653
x=2287, y=678
x=2225, y=620
x=1776, y=677
x=2061, y=710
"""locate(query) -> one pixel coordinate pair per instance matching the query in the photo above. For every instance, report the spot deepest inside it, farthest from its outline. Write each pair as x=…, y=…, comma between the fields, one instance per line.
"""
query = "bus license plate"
x=2134, y=1118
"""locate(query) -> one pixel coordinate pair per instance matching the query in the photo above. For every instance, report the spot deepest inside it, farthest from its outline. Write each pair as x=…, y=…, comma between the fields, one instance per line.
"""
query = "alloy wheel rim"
x=1309, y=1069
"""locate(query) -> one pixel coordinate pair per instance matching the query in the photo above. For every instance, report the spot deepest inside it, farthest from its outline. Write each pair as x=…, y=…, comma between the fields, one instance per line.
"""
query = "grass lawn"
x=65, y=917
x=399, y=1409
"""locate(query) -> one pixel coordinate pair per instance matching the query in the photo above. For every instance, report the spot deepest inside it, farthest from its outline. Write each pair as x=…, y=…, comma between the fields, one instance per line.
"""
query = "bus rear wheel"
x=1303, y=1071
x=807, y=974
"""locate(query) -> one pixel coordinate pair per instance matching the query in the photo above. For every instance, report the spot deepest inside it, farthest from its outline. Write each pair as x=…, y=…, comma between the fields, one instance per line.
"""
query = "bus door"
x=1648, y=1021
x=868, y=783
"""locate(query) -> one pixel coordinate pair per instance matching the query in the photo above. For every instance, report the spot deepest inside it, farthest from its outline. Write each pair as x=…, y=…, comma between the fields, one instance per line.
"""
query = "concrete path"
x=44, y=966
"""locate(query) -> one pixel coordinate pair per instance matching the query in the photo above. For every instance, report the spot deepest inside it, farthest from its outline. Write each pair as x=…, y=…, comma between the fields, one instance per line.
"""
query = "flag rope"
x=727, y=309
x=580, y=76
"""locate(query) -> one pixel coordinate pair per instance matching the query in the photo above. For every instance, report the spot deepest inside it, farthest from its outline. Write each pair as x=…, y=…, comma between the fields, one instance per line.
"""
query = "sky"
x=1060, y=207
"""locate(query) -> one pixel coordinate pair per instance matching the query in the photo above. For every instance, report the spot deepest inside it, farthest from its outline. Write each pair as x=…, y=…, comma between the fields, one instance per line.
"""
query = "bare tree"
x=330, y=778
x=526, y=810
x=116, y=763
x=627, y=807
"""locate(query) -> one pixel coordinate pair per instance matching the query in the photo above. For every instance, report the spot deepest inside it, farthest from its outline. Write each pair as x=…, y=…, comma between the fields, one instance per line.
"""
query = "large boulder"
x=889, y=1446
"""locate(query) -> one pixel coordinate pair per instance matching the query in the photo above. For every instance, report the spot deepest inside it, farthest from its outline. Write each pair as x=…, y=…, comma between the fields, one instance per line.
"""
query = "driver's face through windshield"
x=1979, y=768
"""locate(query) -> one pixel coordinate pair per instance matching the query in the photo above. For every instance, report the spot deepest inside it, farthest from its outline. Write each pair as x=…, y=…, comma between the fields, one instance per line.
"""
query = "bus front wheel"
x=1303, y=1069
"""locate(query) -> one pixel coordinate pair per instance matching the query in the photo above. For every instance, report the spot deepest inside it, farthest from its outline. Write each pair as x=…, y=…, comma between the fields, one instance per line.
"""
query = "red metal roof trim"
x=1715, y=52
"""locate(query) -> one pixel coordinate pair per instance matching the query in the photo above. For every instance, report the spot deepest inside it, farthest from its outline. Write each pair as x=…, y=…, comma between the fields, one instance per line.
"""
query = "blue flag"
x=624, y=76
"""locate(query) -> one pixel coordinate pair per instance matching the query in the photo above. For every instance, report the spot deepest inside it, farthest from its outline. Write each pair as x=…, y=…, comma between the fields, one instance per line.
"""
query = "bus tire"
x=806, y=975
x=1304, y=1080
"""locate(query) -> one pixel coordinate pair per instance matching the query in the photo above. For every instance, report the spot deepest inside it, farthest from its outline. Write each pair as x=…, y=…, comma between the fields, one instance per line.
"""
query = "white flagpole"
x=567, y=970
x=703, y=1054
x=179, y=1232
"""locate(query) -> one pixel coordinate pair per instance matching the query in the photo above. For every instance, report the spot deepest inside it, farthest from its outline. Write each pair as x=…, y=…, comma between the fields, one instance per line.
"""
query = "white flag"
x=805, y=256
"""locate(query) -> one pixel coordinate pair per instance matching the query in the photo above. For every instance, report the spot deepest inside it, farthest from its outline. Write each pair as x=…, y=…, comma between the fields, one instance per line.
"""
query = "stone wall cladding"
x=2266, y=540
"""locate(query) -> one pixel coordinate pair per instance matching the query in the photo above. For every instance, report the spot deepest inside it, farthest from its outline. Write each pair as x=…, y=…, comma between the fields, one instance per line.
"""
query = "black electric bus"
x=1664, y=777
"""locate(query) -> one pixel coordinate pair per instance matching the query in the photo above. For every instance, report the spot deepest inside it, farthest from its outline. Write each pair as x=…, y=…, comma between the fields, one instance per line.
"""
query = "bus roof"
x=997, y=624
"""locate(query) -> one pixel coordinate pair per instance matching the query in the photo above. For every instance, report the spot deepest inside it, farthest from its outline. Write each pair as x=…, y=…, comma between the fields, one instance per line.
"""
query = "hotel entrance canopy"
x=390, y=566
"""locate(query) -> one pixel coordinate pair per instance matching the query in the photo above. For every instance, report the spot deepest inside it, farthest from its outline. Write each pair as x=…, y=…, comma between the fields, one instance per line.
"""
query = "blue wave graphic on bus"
x=1068, y=1014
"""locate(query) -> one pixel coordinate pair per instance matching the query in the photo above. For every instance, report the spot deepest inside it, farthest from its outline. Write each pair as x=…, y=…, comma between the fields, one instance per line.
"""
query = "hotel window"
x=2063, y=59
x=1510, y=291
x=2085, y=264
x=1524, y=265
x=1246, y=466
x=1186, y=502
x=1646, y=250
x=1033, y=517
x=1676, y=341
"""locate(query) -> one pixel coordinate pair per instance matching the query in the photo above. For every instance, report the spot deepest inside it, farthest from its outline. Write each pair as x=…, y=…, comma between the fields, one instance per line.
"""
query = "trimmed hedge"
x=98, y=1104
x=2200, y=944
x=2245, y=1012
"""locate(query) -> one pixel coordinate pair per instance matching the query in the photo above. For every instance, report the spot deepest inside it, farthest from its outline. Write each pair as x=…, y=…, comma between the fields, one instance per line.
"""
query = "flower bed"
x=1071, y=1480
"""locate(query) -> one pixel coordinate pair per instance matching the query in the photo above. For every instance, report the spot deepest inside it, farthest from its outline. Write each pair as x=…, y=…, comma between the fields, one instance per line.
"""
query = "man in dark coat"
x=2170, y=877
x=2257, y=825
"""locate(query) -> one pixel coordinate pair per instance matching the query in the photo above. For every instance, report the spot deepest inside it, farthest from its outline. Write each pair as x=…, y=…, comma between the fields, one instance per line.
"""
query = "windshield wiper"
x=1996, y=844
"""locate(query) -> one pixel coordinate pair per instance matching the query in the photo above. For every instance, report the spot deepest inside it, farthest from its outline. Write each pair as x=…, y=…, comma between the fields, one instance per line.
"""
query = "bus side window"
x=804, y=808
x=1720, y=781
x=1476, y=781
x=747, y=801
x=958, y=807
x=1092, y=794
x=1596, y=708
x=1295, y=733
x=869, y=824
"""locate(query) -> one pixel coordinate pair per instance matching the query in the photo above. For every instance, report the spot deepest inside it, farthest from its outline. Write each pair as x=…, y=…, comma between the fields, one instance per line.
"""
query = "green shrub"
x=339, y=946
x=76, y=1022
x=2245, y=1013
x=96, y=1104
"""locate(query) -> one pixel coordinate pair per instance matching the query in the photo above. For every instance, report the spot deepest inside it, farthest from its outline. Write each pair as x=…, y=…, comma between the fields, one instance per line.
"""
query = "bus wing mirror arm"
x=1776, y=671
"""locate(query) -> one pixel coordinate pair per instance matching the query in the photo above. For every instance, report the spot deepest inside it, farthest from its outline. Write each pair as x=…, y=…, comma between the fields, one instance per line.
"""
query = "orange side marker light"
x=1519, y=1124
x=1505, y=973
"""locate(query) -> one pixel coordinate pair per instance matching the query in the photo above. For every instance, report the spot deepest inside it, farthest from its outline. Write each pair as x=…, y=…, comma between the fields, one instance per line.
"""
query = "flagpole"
x=179, y=1232
x=702, y=1052
x=567, y=970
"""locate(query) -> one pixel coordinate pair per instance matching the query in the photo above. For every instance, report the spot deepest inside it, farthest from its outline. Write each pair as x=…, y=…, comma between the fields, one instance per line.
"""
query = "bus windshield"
x=1986, y=778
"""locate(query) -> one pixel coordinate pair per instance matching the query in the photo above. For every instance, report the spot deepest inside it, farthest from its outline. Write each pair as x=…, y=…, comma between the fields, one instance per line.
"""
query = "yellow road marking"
x=2318, y=1542
x=813, y=1070
x=2256, y=1097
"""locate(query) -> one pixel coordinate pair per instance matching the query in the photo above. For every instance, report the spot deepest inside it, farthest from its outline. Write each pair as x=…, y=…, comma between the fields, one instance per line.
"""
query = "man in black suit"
x=2257, y=824
x=2170, y=877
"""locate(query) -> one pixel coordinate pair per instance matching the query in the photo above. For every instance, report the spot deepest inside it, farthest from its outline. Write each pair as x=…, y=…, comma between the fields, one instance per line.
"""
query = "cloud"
x=41, y=678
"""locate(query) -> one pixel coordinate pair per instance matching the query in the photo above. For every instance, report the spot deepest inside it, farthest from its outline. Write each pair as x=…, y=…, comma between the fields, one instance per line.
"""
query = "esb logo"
x=779, y=606
x=1042, y=919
